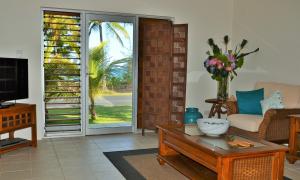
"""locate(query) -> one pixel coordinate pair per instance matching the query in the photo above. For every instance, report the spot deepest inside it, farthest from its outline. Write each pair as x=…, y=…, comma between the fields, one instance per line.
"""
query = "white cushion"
x=246, y=122
x=274, y=101
x=290, y=93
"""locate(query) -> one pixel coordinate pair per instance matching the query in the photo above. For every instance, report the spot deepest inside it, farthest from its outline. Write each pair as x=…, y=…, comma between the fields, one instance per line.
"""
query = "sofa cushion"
x=246, y=122
x=249, y=101
x=274, y=101
x=290, y=93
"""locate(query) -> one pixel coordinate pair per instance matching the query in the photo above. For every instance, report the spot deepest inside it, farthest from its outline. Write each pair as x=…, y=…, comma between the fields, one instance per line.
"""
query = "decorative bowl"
x=212, y=126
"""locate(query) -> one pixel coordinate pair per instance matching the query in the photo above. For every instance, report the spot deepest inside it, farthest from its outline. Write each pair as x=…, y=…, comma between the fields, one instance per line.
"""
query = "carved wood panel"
x=179, y=67
x=155, y=52
x=162, y=73
x=18, y=116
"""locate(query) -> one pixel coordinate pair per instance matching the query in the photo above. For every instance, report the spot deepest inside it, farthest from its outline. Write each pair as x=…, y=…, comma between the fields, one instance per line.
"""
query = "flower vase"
x=223, y=85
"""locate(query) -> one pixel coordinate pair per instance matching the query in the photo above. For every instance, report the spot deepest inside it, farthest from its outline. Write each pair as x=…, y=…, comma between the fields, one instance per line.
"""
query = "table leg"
x=33, y=136
x=163, y=149
x=143, y=131
x=280, y=170
x=292, y=141
x=218, y=110
x=212, y=111
x=160, y=161
x=223, y=168
x=11, y=135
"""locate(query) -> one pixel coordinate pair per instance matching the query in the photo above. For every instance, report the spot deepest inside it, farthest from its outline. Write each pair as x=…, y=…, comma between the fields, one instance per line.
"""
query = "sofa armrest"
x=231, y=106
x=276, y=123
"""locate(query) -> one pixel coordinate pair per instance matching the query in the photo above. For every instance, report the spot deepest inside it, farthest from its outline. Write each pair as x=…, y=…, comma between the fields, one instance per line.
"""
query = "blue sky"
x=114, y=49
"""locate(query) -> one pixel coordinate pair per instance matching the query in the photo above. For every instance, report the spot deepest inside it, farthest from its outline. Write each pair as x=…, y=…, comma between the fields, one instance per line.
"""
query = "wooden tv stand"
x=16, y=117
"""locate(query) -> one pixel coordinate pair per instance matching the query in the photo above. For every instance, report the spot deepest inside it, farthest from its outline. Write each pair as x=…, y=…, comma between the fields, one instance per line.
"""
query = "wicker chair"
x=274, y=126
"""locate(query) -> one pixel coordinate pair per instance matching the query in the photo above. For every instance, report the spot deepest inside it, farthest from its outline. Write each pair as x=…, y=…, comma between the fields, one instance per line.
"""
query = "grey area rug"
x=128, y=162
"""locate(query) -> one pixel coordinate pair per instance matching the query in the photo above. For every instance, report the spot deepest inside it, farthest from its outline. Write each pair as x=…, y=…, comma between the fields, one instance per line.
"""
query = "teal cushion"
x=272, y=102
x=249, y=101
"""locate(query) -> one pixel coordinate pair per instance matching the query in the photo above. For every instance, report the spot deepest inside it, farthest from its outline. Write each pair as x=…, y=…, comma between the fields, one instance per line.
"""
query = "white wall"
x=20, y=26
x=274, y=27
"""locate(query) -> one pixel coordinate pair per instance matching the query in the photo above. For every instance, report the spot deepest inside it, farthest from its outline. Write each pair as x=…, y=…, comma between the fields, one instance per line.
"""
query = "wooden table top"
x=219, y=146
x=215, y=101
x=295, y=115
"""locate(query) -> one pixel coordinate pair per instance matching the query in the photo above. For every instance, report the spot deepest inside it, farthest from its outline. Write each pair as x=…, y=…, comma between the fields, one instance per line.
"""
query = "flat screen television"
x=13, y=79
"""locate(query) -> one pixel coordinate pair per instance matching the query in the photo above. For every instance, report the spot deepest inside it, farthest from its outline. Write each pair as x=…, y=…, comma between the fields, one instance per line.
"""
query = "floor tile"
x=81, y=158
x=16, y=175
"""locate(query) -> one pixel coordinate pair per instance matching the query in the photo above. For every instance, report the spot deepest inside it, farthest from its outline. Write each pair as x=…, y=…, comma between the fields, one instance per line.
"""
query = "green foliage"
x=240, y=62
x=243, y=44
x=226, y=39
x=210, y=42
x=61, y=45
x=103, y=70
x=62, y=48
x=96, y=69
x=216, y=50
x=115, y=29
x=223, y=64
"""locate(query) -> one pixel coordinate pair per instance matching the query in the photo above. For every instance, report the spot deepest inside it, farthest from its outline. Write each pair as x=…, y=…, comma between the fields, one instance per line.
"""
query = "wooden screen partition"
x=179, y=66
x=155, y=37
x=161, y=73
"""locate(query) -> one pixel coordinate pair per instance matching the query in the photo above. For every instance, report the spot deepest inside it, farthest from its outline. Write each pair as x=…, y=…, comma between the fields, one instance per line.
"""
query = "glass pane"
x=222, y=142
x=110, y=73
x=62, y=71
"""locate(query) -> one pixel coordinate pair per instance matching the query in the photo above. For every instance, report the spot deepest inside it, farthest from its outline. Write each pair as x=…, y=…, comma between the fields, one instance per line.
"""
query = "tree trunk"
x=92, y=109
x=100, y=33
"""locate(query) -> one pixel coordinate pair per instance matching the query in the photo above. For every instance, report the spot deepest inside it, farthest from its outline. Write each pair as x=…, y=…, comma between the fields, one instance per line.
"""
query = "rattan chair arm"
x=273, y=114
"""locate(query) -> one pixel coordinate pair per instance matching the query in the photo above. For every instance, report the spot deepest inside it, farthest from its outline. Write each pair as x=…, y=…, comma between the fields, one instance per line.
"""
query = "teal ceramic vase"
x=191, y=115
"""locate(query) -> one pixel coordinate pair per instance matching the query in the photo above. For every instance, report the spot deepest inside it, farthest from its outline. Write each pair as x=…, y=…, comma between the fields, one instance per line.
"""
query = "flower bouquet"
x=223, y=64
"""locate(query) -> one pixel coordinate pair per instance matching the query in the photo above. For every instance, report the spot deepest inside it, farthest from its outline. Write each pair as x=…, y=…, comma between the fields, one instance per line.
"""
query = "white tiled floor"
x=80, y=158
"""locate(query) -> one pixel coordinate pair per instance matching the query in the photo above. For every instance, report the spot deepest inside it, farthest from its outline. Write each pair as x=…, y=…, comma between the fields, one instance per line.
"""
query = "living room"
x=268, y=25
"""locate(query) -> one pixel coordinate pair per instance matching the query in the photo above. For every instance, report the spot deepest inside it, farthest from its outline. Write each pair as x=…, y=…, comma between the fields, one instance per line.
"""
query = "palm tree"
x=61, y=41
x=100, y=69
x=59, y=56
x=113, y=28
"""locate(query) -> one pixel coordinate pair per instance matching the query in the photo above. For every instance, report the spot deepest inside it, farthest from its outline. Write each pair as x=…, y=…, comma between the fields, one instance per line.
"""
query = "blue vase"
x=191, y=115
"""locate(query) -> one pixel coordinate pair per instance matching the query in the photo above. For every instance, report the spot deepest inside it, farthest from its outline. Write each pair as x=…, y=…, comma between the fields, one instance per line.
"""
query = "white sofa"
x=264, y=126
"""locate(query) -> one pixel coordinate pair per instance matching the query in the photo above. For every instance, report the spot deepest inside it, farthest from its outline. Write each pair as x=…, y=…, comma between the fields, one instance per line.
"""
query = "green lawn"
x=105, y=115
x=65, y=115
x=115, y=114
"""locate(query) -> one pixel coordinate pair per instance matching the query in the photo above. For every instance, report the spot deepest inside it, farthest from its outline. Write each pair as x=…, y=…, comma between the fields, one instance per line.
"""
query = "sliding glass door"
x=109, y=73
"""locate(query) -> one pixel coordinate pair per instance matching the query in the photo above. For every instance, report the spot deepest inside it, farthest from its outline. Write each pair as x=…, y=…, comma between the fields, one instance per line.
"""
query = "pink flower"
x=213, y=62
x=231, y=58
x=233, y=65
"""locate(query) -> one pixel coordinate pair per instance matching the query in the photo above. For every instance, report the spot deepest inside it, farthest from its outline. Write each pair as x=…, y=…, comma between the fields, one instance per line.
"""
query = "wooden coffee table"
x=203, y=157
